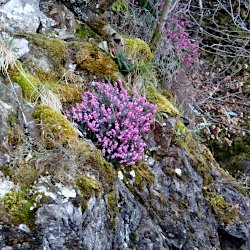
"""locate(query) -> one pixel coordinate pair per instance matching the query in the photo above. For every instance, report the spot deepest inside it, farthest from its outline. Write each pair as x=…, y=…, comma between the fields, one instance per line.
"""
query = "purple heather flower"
x=117, y=120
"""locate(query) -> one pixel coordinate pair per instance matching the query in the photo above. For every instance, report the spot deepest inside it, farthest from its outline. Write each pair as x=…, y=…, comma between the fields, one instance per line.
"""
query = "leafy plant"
x=115, y=121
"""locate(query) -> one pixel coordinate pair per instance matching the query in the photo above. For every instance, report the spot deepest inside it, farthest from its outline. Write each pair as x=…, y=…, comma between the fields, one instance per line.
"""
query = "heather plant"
x=176, y=34
x=177, y=50
x=115, y=121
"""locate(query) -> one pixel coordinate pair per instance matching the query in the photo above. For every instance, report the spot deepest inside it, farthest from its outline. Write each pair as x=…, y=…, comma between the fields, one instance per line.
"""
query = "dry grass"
x=51, y=99
x=7, y=57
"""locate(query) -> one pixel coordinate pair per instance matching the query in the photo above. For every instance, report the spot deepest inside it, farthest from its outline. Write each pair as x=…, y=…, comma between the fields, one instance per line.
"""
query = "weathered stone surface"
x=63, y=18
x=22, y=16
x=9, y=95
x=20, y=47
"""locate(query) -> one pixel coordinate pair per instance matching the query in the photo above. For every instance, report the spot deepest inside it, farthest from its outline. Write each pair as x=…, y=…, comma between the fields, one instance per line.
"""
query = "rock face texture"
x=22, y=15
x=57, y=191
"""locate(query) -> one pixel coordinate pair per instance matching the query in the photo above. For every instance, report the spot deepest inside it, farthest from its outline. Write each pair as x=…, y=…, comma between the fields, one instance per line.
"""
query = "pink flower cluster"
x=186, y=49
x=117, y=120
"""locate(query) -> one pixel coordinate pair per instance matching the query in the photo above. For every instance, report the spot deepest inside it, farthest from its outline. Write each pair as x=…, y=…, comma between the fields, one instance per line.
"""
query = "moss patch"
x=45, y=76
x=16, y=208
x=223, y=210
x=181, y=128
x=92, y=158
x=199, y=155
x=137, y=50
x=85, y=32
x=119, y=6
x=144, y=177
x=56, y=129
x=30, y=84
x=162, y=103
x=112, y=208
x=97, y=62
x=88, y=187
x=55, y=48
x=68, y=92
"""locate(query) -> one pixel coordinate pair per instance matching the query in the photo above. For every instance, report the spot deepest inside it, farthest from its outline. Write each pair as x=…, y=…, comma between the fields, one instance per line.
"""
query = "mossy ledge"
x=56, y=129
x=222, y=210
x=97, y=62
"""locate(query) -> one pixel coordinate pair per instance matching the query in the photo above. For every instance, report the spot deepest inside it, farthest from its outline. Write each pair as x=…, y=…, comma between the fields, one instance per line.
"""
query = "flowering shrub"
x=185, y=48
x=116, y=120
x=175, y=38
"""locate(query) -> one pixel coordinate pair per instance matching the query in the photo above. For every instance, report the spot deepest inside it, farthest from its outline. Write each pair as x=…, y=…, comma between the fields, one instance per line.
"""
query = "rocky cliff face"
x=57, y=191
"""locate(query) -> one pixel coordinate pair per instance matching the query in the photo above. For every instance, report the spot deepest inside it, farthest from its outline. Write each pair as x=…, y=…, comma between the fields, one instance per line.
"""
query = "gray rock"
x=20, y=47
x=22, y=16
x=3, y=160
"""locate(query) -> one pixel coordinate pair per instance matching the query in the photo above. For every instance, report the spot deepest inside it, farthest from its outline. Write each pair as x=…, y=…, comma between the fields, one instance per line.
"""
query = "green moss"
x=93, y=159
x=45, y=76
x=162, y=103
x=223, y=210
x=199, y=155
x=68, y=92
x=113, y=208
x=97, y=62
x=84, y=31
x=88, y=187
x=137, y=50
x=56, y=129
x=55, y=48
x=30, y=84
x=181, y=128
x=119, y=6
x=16, y=208
x=144, y=177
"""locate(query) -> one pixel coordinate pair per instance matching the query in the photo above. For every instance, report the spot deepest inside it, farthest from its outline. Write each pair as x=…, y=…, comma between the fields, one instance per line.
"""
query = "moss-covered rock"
x=85, y=32
x=17, y=208
x=45, y=76
x=144, y=177
x=223, y=210
x=56, y=129
x=200, y=156
x=97, y=62
x=112, y=208
x=68, y=92
x=137, y=50
x=29, y=83
x=56, y=49
x=163, y=105
x=93, y=159
x=88, y=187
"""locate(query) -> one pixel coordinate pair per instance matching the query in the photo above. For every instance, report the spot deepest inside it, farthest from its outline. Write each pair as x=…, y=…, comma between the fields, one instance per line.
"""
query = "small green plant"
x=119, y=6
